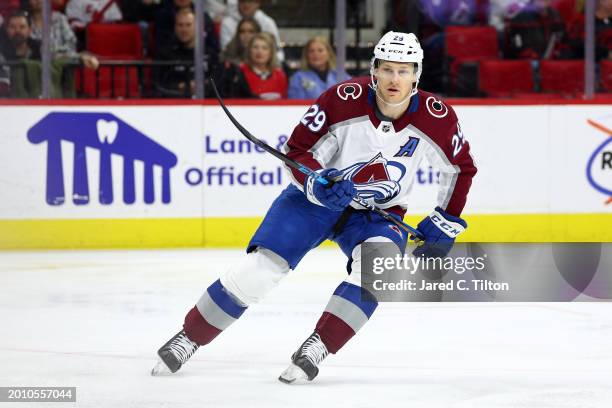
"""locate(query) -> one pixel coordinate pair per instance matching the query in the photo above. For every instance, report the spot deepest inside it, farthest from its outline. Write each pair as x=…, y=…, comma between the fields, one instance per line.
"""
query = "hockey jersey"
x=341, y=130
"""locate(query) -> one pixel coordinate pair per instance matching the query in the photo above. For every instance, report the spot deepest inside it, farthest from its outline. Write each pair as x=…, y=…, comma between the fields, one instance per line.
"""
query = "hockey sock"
x=216, y=310
x=348, y=310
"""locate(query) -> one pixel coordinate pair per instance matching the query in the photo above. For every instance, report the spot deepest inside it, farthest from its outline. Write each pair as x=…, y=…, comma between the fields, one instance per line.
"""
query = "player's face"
x=317, y=55
x=260, y=52
x=395, y=80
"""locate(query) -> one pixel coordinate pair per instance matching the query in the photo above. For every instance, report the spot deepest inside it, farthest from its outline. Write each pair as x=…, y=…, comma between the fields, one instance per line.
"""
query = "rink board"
x=160, y=174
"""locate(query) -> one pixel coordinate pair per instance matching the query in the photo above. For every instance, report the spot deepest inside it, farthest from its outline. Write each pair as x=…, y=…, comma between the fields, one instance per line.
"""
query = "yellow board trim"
x=236, y=232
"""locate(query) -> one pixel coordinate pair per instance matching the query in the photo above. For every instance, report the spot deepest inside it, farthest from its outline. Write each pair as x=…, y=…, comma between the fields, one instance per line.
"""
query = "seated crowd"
x=244, y=53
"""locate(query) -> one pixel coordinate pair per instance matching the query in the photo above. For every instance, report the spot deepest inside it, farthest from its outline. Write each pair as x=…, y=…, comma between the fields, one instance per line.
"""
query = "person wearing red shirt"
x=261, y=70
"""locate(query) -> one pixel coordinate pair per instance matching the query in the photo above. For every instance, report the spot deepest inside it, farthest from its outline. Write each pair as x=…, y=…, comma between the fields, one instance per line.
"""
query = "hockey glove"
x=335, y=197
x=440, y=230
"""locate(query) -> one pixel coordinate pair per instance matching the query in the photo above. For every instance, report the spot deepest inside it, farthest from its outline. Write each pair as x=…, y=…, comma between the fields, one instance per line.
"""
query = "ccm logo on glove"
x=452, y=229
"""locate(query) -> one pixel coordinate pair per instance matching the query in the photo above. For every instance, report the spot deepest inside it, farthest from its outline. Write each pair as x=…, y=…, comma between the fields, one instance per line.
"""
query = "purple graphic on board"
x=110, y=136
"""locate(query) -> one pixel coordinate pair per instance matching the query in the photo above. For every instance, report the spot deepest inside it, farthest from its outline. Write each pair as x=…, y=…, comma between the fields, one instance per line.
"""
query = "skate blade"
x=160, y=369
x=292, y=374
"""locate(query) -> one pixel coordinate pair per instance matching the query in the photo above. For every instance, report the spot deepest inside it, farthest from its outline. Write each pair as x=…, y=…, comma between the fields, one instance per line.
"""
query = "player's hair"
x=268, y=39
x=331, y=62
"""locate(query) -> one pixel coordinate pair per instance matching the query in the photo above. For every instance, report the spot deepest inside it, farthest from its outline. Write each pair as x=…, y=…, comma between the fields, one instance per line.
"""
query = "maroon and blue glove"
x=336, y=196
x=439, y=230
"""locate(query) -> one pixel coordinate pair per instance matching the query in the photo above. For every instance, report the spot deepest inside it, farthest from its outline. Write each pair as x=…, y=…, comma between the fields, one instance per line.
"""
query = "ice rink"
x=95, y=319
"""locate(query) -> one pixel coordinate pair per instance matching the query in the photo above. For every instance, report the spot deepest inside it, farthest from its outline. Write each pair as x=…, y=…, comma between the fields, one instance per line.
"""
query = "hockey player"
x=369, y=135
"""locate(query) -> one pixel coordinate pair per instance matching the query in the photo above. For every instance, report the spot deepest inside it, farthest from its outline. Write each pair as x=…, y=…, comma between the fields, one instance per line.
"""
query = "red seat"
x=113, y=42
x=8, y=6
x=110, y=40
x=467, y=44
x=504, y=78
x=605, y=75
x=471, y=43
x=566, y=77
x=112, y=82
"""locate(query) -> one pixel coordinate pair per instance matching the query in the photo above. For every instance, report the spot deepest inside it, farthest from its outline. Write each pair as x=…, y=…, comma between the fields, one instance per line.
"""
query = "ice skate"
x=305, y=361
x=174, y=354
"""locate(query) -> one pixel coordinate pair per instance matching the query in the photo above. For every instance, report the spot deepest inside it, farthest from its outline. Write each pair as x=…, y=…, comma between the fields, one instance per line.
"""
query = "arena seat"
x=113, y=42
x=471, y=42
x=566, y=77
x=468, y=44
x=8, y=6
x=505, y=78
x=110, y=40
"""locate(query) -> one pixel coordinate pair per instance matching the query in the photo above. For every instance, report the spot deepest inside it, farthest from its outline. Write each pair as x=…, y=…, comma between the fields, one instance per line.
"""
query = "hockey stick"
x=300, y=167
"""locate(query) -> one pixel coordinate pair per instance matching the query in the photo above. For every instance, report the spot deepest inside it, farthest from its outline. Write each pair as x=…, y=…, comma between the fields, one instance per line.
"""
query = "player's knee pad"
x=356, y=255
x=258, y=273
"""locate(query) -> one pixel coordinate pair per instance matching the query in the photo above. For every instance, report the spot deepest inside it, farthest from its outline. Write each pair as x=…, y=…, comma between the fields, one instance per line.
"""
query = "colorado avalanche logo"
x=377, y=180
x=436, y=108
x=349, y=90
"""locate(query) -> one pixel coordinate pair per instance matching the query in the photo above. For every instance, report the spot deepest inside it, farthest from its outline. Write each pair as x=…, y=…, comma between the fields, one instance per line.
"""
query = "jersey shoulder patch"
x=435, y=106
x=434, y=111
x=352, y=90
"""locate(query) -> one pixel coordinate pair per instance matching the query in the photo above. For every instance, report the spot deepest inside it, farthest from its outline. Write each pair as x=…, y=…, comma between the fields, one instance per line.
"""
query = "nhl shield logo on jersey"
x=378, y=179
x=349, y=90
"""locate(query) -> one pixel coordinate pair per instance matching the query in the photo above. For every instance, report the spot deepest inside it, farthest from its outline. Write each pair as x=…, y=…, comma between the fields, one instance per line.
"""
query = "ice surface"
x=95, y=319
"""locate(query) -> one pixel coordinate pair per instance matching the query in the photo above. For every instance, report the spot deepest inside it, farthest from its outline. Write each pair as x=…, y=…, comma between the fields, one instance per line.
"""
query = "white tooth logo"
x=107, y=131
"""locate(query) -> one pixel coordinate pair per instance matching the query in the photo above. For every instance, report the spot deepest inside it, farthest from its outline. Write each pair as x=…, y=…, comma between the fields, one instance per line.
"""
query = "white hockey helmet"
x=398, y=47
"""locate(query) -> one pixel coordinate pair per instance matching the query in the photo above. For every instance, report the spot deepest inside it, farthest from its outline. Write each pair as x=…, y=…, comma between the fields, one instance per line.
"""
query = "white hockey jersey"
x=341, y=130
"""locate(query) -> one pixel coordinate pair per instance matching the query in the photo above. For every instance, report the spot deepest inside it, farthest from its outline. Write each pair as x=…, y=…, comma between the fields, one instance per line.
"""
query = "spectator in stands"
x=502, y=10
x=26, y=78
x=250, y=8
x=5, y=78
x=261, y=70
x=59, y=5
x=603, y=29
x=82, y=12
x=454, y=12
x=178, y=80
x=219, y=9
x=536, y=32
x=20, y=45
x=165, y=28
x=603, y=32
x=63, y=40
x=236, y=50
x=318, y=70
